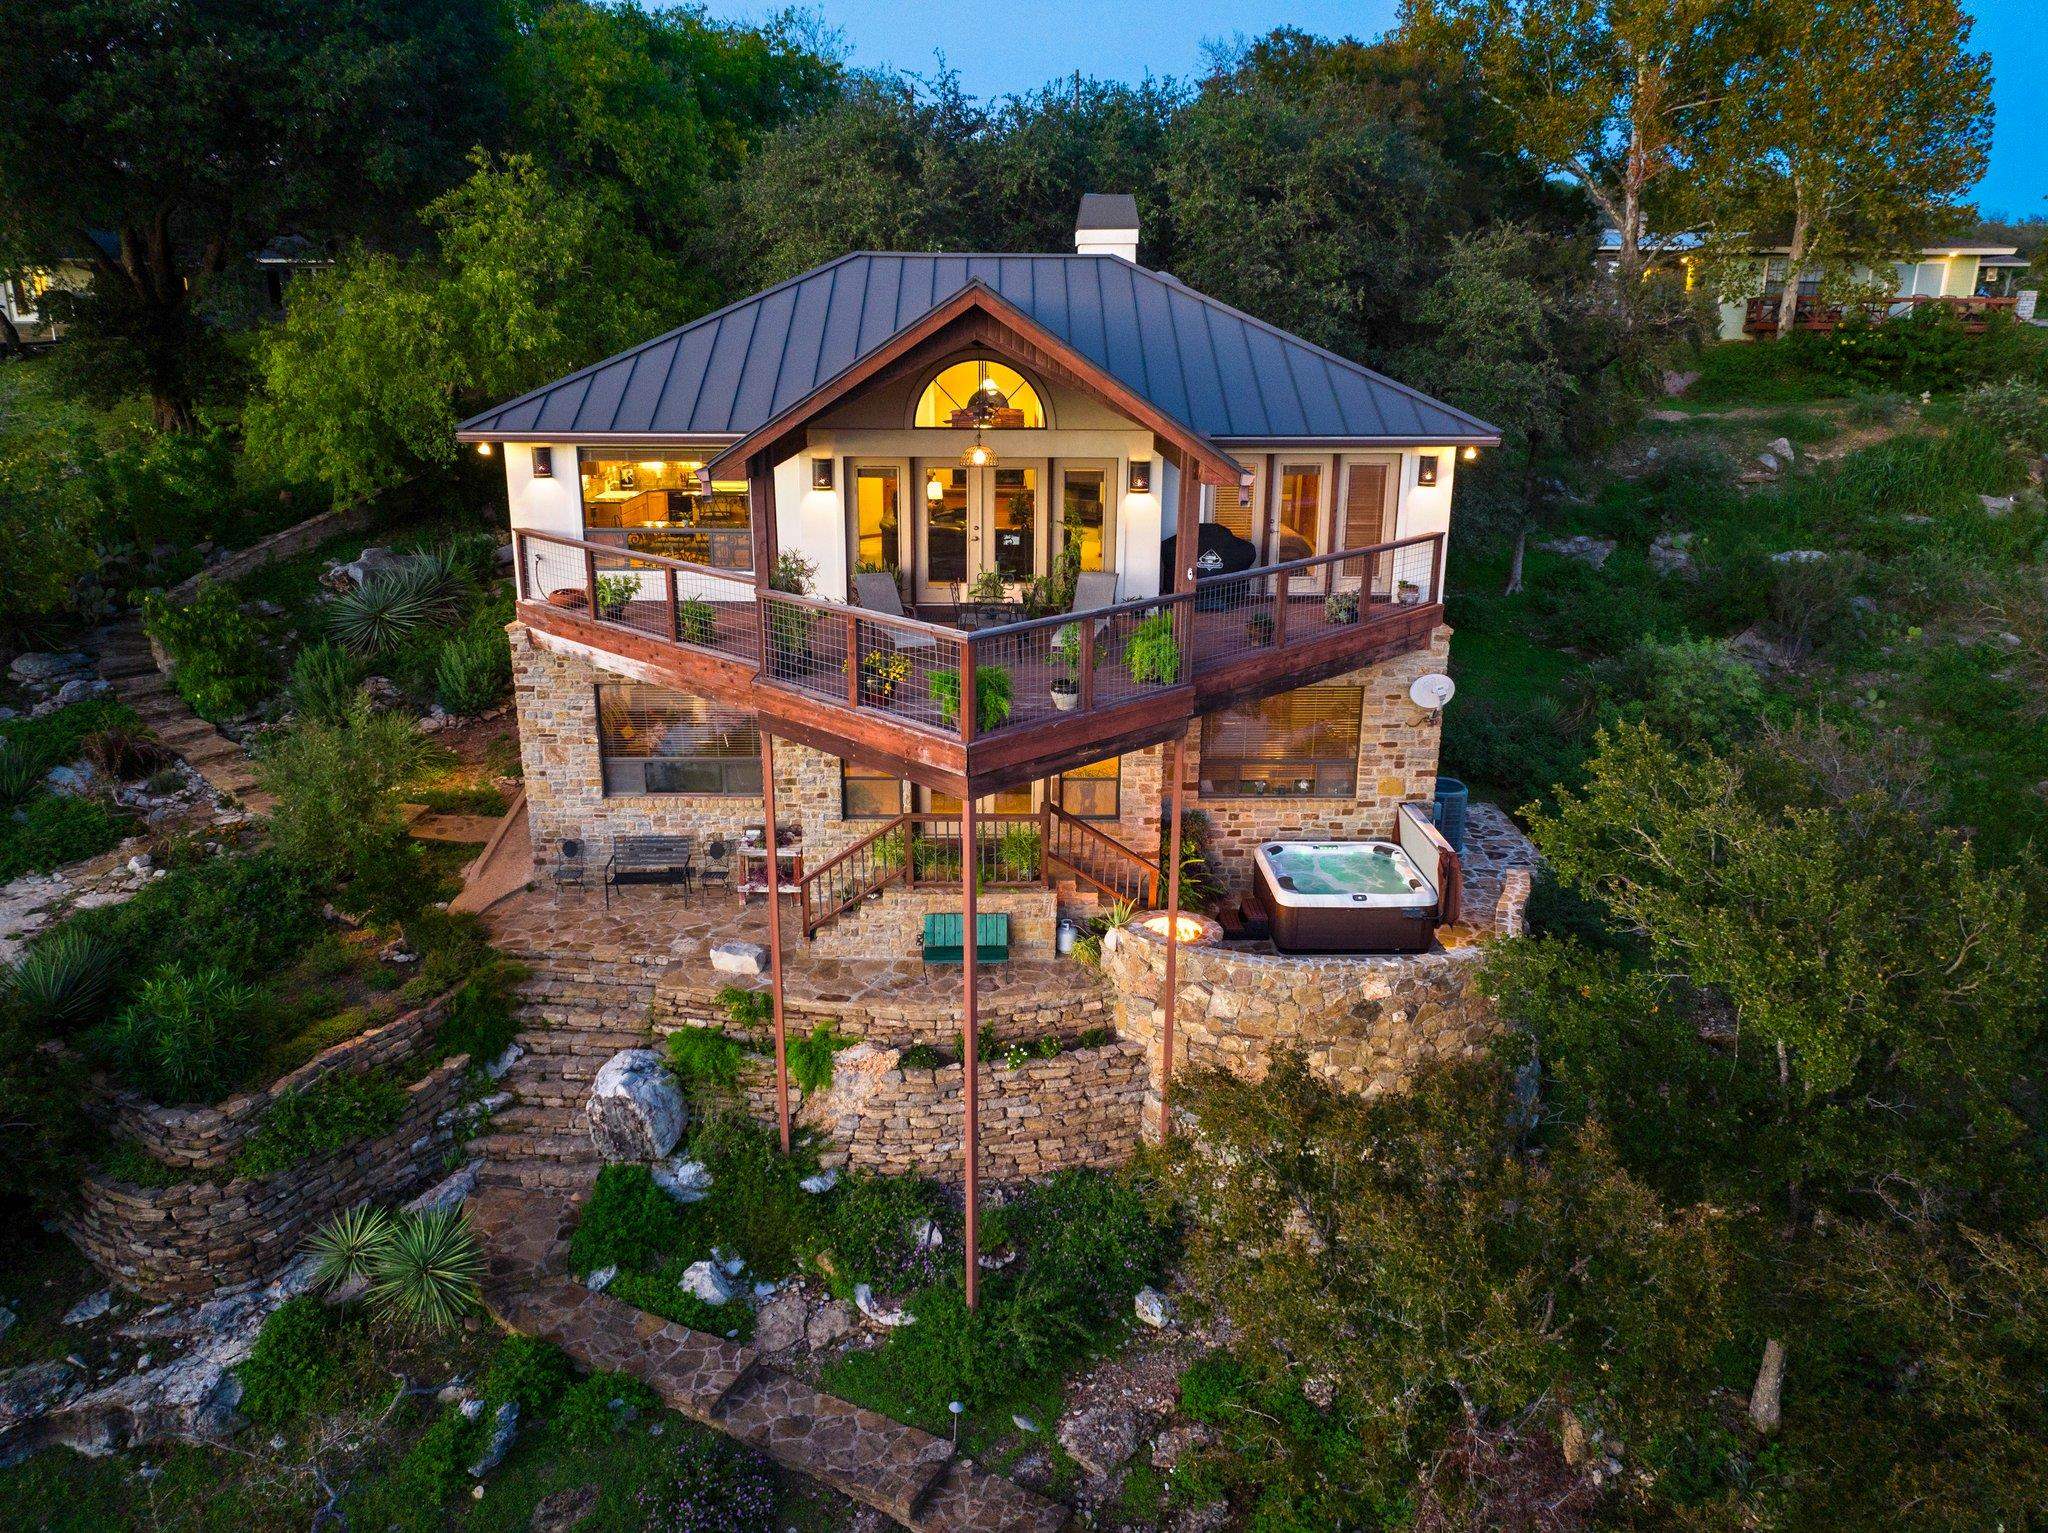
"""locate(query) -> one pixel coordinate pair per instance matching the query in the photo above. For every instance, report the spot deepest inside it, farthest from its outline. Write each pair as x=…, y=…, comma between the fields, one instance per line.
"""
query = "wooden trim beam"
x=970, y=1053
x=775, y=935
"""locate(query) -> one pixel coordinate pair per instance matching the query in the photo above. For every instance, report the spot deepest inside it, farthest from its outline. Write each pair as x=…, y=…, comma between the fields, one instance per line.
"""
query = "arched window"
x=979, y=392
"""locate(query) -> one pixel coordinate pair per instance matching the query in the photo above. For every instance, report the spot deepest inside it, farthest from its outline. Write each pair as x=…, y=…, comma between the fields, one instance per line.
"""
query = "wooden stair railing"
x=1099, y=860
x=838, y=884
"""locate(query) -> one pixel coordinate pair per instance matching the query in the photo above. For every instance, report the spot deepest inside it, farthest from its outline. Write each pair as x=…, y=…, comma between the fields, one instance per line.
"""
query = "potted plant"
x=1259, y=629
x=1066, y=688
x=1152, y=654
x=984, y=604
x=613, y=593
x=1407, y=593
x=992, y=697
x=790, y=628
x=695, y=621
x=881, y=672
x=1341, y=606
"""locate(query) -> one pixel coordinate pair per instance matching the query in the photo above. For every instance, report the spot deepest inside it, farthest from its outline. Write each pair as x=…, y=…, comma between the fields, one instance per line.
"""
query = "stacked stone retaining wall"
x=199, y=1236
x=285, y=544
x=892, y=924
x=690, y=999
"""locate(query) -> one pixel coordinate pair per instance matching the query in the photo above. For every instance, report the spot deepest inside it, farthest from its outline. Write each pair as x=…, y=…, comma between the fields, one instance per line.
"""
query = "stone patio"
x=906, y=1474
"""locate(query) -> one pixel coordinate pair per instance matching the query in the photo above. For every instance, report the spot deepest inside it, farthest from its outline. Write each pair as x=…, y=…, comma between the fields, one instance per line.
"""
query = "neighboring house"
x=937, y=430
x=24, y=297
x=1974, y=280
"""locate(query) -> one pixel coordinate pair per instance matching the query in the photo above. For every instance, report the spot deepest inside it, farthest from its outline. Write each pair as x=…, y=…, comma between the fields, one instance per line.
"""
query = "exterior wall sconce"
x=821, y=473
x=483, y=449
x=1425, y=469
x=1141, y=476
x=1470, y=454
x=1244, y=490
x=543, y=463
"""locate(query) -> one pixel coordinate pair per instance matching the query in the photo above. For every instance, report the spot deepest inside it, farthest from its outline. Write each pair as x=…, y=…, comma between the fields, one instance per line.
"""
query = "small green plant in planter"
x=881, y=672
x=984, y=597
x=790, y=628
x=1341, y=607
x=613, y=592
x=695, y=620
x=992, y=697
x=1153, y=654
x=1259, y=628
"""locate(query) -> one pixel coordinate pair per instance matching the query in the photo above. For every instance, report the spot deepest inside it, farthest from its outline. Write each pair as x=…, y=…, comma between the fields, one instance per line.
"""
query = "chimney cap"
x=1107, y=210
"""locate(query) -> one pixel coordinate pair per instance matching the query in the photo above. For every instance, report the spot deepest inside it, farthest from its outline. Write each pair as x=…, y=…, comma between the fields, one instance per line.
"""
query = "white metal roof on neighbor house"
x=1226, y=375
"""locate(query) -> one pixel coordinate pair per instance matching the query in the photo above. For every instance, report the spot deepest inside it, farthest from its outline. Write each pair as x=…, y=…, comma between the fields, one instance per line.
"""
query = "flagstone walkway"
x=908, y=1475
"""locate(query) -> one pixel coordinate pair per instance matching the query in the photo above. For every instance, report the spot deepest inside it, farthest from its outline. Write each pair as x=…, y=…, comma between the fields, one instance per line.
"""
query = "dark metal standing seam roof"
x=1227, y=375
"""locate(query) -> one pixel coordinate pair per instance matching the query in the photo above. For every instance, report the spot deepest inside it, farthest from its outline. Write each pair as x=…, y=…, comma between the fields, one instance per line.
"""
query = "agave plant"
x=20, y=775
x=63, y=979
x=424, y=1274
x=383, y=612
x=121, y=753
x=346, y=1247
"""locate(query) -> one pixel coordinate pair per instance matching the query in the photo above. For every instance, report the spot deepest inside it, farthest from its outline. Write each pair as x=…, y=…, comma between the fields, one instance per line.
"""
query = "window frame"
x=929, y=380
x=1056, y=507
x=732, y=770
x=1115, y=779
x=846, y=810
x=721, y=543
x=1314, y=766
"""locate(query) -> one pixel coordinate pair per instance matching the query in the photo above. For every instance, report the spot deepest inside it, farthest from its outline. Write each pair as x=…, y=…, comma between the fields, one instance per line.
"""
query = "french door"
x=1362, y=516
x=974, y=520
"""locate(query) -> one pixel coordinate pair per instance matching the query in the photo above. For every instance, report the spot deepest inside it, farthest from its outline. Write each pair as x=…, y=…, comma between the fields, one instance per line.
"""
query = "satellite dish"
x=1432, y=691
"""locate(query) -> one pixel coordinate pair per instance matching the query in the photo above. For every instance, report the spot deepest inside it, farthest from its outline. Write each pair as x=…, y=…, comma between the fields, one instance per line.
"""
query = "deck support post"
x=775, y=934
x=970, y=1051
x=1177, y=765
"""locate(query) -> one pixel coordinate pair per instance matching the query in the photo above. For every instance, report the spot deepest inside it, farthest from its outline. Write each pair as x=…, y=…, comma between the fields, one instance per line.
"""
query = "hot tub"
x=1346, y=897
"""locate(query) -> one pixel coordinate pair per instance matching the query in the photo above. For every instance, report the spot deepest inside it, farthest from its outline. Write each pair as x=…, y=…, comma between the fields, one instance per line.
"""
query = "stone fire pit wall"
x=1364, y=1023
x=1078, y=1108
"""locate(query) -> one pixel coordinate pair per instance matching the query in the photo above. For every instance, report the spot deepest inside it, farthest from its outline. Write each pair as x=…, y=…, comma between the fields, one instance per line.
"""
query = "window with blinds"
x=652, y=740
x=1300, y=744
x=868, y=795
x=1090, y=792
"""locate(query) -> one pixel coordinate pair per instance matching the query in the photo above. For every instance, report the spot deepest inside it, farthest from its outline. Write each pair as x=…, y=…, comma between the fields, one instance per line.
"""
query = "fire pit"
x=1194, y=929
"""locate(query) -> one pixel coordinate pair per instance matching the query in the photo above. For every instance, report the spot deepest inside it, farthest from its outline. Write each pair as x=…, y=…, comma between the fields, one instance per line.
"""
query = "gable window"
x=1300, y=744
x=652, y=740
x=657, y=505
x=865, y=794
x=980, y=392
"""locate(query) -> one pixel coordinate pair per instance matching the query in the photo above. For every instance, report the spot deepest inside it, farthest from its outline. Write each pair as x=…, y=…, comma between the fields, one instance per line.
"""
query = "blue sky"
x=999, y=49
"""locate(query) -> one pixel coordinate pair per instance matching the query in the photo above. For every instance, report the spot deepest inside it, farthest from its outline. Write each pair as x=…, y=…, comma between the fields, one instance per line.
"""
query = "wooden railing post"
x=675, y=625
x=852, y=660
x=1436, y=568
x=1280, y=613
x=1045, y=837
x=966, y=690
x=1087, y=651
x=590, y=581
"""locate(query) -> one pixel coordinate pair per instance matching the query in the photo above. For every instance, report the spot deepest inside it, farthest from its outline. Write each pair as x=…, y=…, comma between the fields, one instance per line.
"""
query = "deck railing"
x=1760, y=315
x=944, y=680
x=923, y=850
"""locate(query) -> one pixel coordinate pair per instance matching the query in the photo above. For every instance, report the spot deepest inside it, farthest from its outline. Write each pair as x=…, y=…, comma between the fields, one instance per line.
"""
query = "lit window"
x=1084, y=513
x=652, y=740
x=966, y=392
x=1300, y=744
x=868, y=795
x=878, y=516
x=1090, y=792
x=658, y=506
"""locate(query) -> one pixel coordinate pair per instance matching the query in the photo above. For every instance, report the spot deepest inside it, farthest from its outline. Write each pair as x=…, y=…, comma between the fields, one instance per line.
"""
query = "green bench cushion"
x=942, y=938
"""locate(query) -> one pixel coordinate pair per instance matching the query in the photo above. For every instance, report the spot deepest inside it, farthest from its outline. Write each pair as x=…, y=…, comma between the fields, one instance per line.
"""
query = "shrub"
x=425, y=1276
x=44, y=1133
x=756, y=1209
x=337, y=805
x=696, y=620
x=62, y=981
x=451, y=945
x=247, y=915
x=472, y=672
x=1210, y=1387
x=432, y=1470
x=60, y=735
x=336, y=1111
x=384, y=612
x=2014, y=411
x=659, y=1293
x=529, y=1372
x=704, y=1057
x=713, y=1486
x=594, y=1410
x=628, y=1223
x=1690, y=690
x=292, y=1365
x=216, y=650
x=1152, y=654
x=55, y=829
x=325, y=682
x=743, y=1007
x=866, y=1232
x=184, y=1038
x=481, y=1021
x=922, y=1056
x=124, y=753
x=992, y=697
x=810, y=1058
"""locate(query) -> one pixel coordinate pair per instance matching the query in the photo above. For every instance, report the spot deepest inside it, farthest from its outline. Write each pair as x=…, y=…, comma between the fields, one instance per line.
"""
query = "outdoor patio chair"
x=570, y=867
x=878, y=593
x=716, y=873
x=1094, y=589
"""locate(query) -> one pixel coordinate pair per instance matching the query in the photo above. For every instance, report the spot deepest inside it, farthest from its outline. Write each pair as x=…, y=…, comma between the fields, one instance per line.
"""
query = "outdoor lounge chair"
x=878, y=593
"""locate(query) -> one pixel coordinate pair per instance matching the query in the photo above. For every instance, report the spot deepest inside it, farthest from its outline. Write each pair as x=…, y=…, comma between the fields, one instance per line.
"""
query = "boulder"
x=77, y=690
x=601, y=1279
x=1587, y=550
x=75, y=780
x=685, y=1180
x=830, y=1322
x=1675, y=383
x=504, y=1428
x=706, y=1281
x=40, y=667
x=90, y=1308
x=823, y=1182
x=1781, y=449
x=782, y=1322
x=1102, y=1438
x=737, y=957
x=1154, y=1308
x=33, y=1390
x=1995, y=505
x=1671, y=553
x=635, y=1109
x=895, y=1315
x=563, y=1510
x=1175, y=1443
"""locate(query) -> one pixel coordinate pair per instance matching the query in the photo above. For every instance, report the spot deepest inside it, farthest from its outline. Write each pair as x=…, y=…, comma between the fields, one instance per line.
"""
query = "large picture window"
x=659, y=506
x=1090, y=792
x=1300, y=744
x=980, y=393
x=652, y=740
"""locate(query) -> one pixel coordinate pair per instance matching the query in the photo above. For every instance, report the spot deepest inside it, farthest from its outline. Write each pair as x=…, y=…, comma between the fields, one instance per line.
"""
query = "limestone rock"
x=1154, y=1308
x=685, y=1180
x=782, y=1322
x=1799, y=556
x=564, y=1510
x=1587, y=550
x=1781, y=449
x=737, y=957
x=601, y=1279
x=1175, y=1443
x=635, y=1110
x=504, y=1429
x=1671, y=553
x=39, y=667
x=90, y=1308
x=864, y=1300
x=824, y=1181
x=29, y=1391
x=705, y=1281
x=830, y=1322
x=1102, y=1439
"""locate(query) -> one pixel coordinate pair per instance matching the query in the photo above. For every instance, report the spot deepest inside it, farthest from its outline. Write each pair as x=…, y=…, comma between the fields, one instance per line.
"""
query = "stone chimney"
x=1108, y=225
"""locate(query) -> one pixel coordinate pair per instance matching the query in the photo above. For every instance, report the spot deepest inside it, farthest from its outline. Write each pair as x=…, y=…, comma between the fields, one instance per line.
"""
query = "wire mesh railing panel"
x=554, y=573
x=675, y=603
x=907, y=673
x=1026, y=676
x=1277, y=608
x=1008, y=849
x=804, y=647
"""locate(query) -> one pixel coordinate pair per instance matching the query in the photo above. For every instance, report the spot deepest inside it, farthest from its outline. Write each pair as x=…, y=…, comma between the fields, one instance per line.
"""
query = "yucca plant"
x=424, y=1275
x=324, y=683
x=345, y=1248
x=382, y=613
x=20, y=773
x=63, y=980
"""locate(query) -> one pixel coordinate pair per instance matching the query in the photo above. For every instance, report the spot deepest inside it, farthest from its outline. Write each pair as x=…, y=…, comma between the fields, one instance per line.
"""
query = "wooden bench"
x=649, y=860
x=942, y=939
